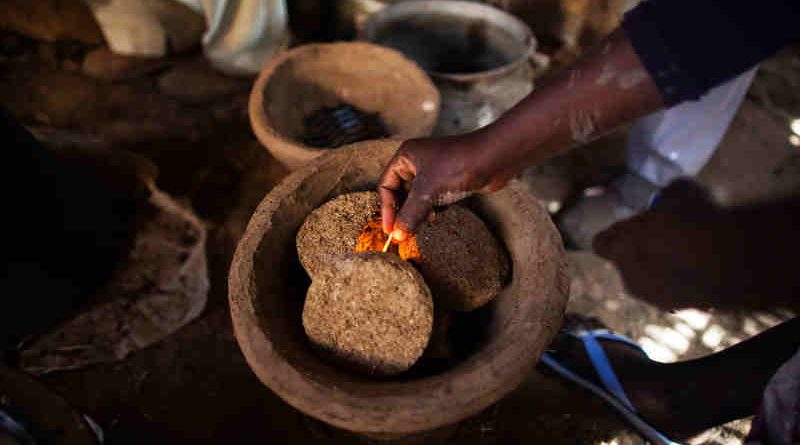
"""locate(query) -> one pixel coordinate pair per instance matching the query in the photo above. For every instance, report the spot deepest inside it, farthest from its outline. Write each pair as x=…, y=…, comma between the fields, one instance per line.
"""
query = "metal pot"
x=482, y=59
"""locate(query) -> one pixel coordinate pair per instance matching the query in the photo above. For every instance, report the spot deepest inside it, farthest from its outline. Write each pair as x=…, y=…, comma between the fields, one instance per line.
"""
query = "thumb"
x=415, y=209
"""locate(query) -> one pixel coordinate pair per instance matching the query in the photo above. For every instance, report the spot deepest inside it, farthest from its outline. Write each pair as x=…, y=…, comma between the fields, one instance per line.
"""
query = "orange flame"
x=408, y=250
x=372, y=239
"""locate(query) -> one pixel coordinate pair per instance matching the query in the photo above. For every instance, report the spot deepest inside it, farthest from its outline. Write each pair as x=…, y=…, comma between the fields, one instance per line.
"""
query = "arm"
x=669, y=51
x=608, y=87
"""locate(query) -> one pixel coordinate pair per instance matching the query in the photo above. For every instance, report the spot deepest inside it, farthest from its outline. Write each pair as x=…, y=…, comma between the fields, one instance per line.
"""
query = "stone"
x=103, y=64
x=51, y=20
x=196, y=82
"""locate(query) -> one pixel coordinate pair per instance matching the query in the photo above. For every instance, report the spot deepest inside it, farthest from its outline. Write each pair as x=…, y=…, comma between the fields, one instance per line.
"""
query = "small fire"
x=408, y=250
x=372, y=239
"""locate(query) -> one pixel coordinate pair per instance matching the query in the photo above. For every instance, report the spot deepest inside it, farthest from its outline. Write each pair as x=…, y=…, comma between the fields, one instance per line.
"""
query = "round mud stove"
x=267, y=286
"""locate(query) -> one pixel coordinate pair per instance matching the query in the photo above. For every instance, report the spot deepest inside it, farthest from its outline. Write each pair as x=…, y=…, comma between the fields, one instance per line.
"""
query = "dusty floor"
x=195, y=387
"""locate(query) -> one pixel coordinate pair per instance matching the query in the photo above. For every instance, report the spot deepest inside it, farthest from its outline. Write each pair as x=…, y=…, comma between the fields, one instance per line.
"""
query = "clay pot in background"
x=369, y=77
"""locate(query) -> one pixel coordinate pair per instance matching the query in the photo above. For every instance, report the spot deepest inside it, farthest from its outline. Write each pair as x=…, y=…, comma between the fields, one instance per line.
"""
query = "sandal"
x=611, y=392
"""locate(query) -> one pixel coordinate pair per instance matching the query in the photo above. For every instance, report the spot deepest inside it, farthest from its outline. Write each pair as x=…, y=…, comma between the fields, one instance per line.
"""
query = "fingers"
x=388, y=208
x=393, y=182
x=415, y=210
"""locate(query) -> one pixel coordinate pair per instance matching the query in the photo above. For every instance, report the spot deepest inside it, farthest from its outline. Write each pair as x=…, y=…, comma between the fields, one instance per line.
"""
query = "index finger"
x=392, y=183
x=388, y=208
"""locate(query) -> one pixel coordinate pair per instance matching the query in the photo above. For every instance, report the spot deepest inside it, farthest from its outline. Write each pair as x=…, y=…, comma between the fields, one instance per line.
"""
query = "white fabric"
x=194, y=5
x=679, y=141
x=241, y=36
x=130, y=27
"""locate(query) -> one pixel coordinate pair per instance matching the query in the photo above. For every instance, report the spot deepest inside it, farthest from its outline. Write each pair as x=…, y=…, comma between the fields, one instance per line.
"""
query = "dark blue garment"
x=690, y=46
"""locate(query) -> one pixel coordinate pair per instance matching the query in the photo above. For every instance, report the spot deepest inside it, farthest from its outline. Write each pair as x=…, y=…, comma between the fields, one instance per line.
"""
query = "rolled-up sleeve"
x=690, y=46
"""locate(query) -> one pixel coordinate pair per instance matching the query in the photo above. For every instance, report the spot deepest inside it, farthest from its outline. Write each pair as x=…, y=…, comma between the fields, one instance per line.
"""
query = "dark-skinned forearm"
x=605, y=89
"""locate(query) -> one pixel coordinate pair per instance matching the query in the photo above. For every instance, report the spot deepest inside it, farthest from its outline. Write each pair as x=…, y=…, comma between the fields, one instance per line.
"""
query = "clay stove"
x=267, y=285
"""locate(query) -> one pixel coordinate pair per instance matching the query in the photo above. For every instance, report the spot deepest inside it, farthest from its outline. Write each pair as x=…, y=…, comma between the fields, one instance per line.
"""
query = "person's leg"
x=662, y=147
x=685, y=398
x=679, y=141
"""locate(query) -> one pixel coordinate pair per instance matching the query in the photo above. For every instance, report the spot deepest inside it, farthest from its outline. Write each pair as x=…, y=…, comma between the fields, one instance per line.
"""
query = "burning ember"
x=372, y=239
x=408, y=249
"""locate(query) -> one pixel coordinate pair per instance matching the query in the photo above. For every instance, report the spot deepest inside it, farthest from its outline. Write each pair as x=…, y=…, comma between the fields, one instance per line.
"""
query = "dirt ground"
x=195, y=387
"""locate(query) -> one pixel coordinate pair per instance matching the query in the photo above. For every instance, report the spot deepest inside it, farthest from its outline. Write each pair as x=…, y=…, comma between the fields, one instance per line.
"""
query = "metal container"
x=482, y=59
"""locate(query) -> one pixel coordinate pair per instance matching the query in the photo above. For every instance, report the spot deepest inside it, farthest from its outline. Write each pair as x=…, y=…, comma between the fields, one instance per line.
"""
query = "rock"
x=106, y=65
x=13, y=45
x=195, y=82
x=71, y=66
x=47, y=54
x=51, y=20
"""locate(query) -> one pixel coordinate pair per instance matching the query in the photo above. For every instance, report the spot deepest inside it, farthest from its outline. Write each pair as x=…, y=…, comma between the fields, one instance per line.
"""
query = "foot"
x=641, y=378
x=600, y=207
x=594, y=212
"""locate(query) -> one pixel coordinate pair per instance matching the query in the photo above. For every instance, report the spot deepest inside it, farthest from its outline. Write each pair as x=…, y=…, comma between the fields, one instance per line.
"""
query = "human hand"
x=432, y=172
